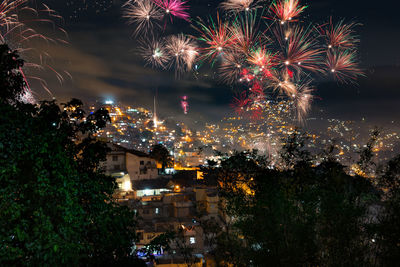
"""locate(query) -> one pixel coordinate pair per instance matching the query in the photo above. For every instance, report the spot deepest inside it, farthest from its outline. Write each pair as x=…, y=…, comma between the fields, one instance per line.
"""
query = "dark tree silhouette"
x=55, y=202
x=11, y=80
x=302, y=215
x=161, y=154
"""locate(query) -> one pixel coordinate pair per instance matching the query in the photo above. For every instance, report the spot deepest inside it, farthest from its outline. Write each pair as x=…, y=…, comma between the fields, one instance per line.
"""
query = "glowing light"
x=127, y=186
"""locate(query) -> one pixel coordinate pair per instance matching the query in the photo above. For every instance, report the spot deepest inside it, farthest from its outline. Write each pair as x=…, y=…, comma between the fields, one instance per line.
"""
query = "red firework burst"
x=240, y=103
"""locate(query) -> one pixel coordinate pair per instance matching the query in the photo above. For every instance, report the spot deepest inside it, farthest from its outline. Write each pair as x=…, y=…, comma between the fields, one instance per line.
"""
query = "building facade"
x=128, y=165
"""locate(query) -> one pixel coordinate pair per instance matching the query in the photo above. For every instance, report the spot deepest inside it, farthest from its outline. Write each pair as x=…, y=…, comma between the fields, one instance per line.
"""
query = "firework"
x=300, y=49
x=17, y=28
x=257, y=90
x=217, y=37
x=143, y=14
x=256, y=112
x=183, y=51
x=246, y=34
x=343, y=65
x=154, y=52
x=341, y=35
x=231, y=67
x=286, y=10
x=240, y=103
x=262, y=58
x=302, y=100
x=184, y=104
x=8, y=16
x=240, y=5
x=265, y=58
x=176, y=8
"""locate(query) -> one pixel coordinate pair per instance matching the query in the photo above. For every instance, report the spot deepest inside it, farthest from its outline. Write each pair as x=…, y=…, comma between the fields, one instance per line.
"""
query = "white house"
x=128, y=165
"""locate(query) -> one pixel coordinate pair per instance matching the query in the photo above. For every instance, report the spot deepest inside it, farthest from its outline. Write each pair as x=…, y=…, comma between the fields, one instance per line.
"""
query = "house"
x=181, y=203
x=128, y=165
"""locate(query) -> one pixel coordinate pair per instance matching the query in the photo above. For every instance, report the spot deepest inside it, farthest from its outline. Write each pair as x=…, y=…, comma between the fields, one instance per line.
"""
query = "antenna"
x=155, y=111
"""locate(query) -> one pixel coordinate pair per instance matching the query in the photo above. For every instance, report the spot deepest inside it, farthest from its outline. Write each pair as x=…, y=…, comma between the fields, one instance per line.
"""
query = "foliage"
x=161, y=154
x=366, y=163
x=55, y=201
x=11, y=80
x=302, y=215
x=388, y=228
x=175, y=243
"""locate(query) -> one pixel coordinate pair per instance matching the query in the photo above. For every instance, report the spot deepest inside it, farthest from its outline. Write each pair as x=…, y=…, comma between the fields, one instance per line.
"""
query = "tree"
x=301, y=215
x=365, y=163
x=387, y=230
x=174, y=243
x=11, y=80
x=56, y=205
x=160, y=153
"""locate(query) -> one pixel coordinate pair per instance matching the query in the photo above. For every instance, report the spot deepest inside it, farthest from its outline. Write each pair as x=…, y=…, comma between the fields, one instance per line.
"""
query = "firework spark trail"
x=176, y=8
x=240, y=5
x=302, y=100
x=284, y=84
x=262, y=58
x=185, y=104
x=7, y=12
x=246, y=34
x=339, y=35
x=240, y=103
x=183, y=51
x=154, y=52
x=17, y=21
x=286, y=10
x=217, y=38
x=270, y=58
x=343, y=65
x=300, y=49
x=145, y=14
x=231, y=67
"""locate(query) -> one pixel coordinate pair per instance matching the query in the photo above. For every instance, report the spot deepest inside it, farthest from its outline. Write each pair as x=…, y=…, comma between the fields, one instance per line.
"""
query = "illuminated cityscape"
x=134, y=127
x=199, y=133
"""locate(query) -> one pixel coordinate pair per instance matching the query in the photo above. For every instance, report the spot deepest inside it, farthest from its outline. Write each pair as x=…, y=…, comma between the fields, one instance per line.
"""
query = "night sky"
x=102, y=60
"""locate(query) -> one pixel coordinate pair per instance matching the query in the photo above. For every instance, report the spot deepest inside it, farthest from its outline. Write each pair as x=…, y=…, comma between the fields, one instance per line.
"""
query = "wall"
x=111, y=164
x=134, y=168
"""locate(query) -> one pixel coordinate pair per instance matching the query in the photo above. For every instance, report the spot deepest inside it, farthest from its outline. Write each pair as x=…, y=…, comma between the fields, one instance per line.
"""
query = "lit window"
x=192, y=240
x=157, y=211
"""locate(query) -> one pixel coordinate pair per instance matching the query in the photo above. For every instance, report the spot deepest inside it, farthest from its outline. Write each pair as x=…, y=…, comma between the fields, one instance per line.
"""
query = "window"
x=157, y=211
x=116, y=167
x=142, y=162
x=146, y=211
x=192, y=240
x=140, y=235
x=114, y=158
